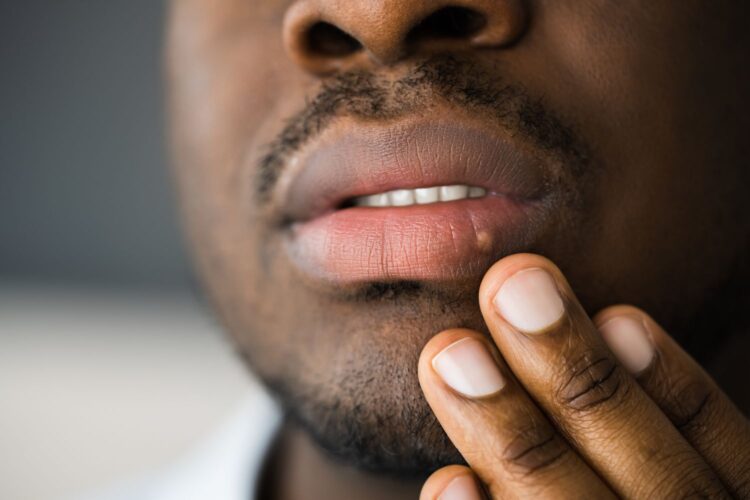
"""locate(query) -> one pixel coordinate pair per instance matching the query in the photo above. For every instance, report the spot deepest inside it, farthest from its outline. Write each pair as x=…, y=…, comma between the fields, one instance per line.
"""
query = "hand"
x=558, y=405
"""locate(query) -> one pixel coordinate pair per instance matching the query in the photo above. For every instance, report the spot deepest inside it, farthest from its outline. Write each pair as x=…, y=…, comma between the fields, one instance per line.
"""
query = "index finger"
x=498, y=429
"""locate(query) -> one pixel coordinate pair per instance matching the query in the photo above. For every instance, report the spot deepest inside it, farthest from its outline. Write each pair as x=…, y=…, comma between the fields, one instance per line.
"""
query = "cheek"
x=225, y=81
x=227, y=69
x=644, y=91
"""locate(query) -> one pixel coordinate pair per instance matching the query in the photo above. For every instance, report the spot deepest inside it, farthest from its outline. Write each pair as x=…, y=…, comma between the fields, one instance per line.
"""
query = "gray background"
x=83, y=187
x=100, y=327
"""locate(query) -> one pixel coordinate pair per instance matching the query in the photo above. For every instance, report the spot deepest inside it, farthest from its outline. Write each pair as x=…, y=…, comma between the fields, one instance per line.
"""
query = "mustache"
x=461, y=83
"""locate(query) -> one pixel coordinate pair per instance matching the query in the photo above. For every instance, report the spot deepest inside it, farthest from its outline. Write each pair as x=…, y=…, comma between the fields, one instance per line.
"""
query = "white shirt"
x=226, y=466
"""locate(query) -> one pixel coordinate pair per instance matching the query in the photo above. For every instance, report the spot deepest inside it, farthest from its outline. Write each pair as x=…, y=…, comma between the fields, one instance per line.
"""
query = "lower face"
x=331, y=299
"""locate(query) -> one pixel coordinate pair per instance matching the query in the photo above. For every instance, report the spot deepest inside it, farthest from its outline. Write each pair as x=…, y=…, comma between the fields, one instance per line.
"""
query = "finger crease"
x=689, y=419
x=532, y=448
x=596, y=383
x=586, y=367
x=547, y=462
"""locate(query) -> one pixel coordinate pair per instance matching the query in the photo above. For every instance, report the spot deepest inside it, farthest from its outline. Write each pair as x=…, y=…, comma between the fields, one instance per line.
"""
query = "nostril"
x=449, y=22
x=327, y=40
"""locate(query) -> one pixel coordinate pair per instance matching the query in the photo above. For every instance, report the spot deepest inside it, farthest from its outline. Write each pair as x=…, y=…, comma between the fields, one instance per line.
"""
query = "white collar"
x=228, y=465
x=225, y=466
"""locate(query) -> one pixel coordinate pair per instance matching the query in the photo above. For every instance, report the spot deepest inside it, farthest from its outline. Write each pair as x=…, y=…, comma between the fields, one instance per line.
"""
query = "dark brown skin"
x=656, y=92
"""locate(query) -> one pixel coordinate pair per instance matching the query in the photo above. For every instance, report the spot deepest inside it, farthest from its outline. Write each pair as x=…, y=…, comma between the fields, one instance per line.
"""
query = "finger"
x=684, y=391
x=502, y=434
x=454, y=482
x=555, y=351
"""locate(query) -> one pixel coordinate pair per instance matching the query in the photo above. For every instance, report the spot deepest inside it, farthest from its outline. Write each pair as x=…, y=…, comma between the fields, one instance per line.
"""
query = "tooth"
x=402, y=197
x=450, y=193
x=477, y=192
x=375, y=200
x=427, y=195
x=422, y=196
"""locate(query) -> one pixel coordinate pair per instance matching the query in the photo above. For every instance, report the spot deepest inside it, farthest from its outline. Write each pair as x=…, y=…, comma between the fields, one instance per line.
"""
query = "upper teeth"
x=420, y=196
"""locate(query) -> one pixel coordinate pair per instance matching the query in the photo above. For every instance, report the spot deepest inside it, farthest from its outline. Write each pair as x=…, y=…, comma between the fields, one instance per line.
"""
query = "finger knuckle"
x=591, y=382
x=687, y=405
x=709, y=488
x=690, y=478
x=534, y=449
x=705, y=491
x=742, y=490
x=739, y=481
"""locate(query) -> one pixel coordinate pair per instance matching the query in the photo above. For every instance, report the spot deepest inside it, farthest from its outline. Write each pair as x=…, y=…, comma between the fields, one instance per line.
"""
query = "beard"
x=369, y=411
x=373, y=417
x=364, y=406
x=361, y=401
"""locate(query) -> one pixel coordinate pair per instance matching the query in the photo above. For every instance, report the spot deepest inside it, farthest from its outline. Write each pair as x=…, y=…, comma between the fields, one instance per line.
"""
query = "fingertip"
x=526, y=291
x=627, y=332
x=433, y=347
x=445, y=338
x=507, y=267
x=454, y=482
x=611, y=312
x=455, y=357
x=655, y=331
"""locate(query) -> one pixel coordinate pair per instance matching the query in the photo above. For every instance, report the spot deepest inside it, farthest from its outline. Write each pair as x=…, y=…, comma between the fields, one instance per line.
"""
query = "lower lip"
x=458, y=240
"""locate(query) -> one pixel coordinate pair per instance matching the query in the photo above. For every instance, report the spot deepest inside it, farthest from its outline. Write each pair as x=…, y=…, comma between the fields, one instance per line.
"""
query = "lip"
x=458, y=240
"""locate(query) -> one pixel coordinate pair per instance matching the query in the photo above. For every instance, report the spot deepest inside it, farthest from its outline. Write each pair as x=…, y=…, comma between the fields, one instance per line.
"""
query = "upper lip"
x=360, y=158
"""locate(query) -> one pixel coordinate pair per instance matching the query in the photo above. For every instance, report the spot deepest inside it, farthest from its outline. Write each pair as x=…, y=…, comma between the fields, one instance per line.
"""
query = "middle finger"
x=555, y=351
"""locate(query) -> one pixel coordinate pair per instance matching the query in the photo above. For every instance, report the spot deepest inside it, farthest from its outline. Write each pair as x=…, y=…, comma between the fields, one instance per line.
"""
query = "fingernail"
x=529, y=300
x=469, y=368
x=463, y=487
x=628, y=339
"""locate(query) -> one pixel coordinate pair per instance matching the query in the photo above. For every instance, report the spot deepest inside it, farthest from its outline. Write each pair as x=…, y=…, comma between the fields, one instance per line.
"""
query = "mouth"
x=419, y=200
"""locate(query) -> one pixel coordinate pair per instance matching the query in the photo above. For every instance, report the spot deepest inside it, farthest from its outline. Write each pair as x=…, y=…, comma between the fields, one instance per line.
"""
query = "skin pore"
x=636, y=110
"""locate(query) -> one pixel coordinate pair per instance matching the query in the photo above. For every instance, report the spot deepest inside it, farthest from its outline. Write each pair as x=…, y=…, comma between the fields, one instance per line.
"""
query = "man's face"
x=606, y=136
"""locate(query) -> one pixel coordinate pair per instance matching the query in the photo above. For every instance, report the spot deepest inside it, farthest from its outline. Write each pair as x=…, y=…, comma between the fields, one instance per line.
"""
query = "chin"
x=390, y=434
x=364, y=406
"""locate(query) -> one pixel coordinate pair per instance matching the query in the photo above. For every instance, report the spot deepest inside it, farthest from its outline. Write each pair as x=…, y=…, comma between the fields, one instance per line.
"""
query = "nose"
x=324, y=36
